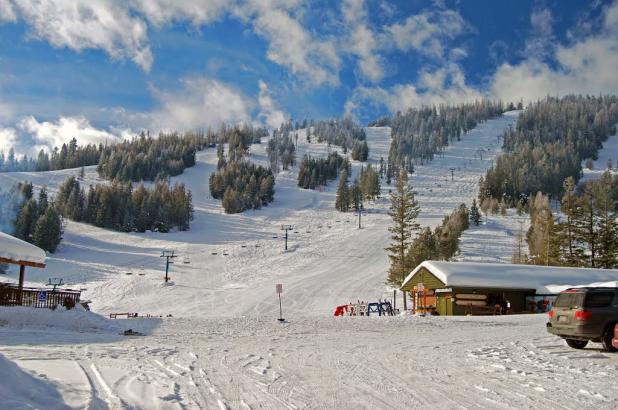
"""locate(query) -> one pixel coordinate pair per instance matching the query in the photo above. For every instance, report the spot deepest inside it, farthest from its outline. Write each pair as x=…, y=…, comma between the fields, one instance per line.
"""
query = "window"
x=599, y=299
x=569, y=300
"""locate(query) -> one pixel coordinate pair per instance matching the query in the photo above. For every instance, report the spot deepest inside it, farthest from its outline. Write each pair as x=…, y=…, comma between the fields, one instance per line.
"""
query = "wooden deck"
x=11, y=295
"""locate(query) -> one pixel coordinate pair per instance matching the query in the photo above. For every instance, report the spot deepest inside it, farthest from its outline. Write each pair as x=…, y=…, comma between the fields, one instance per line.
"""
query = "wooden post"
x=22, y=270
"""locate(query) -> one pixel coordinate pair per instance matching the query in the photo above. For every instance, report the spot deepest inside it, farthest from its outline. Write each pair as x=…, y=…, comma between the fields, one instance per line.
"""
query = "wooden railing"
x=11, y=295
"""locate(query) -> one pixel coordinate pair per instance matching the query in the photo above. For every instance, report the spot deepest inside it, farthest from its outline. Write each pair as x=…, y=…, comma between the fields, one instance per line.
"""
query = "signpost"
x=42, y=296
x=279, y=289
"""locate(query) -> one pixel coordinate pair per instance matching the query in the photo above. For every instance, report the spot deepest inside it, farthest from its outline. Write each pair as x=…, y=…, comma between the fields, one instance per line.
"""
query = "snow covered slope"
x=223, y=347
x=228, y=265
x=608, y=152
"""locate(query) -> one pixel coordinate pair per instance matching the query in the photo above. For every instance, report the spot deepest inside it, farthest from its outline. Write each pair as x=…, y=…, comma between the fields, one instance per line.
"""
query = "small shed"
x=458, y=288
x=17, y=252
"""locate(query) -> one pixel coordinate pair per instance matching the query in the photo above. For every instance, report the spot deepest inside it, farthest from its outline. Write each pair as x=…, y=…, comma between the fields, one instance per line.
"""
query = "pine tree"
x=342, y=201
x=26, y=220
x=404, y=211
x=475, y=216
x=48, y=230
x=423, y=248
x=587, y=227
x=568, y=230
x=356, y=195
x=543, y=239
x=607, y=227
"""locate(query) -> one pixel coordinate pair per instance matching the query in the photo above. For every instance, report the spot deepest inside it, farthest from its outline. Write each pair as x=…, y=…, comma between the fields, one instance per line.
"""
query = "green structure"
x=459, y=288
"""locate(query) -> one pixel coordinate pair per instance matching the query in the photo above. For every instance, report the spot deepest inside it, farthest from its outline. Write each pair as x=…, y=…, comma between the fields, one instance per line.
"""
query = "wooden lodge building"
x=460, y=288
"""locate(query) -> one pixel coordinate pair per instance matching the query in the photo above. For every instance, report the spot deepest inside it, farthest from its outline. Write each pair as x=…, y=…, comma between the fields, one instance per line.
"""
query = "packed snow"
x=316, y=362
x=222, y=347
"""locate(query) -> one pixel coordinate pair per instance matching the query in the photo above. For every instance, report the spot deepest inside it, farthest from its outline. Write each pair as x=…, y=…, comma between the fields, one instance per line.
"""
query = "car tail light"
x=551, y=313
x=583, y=315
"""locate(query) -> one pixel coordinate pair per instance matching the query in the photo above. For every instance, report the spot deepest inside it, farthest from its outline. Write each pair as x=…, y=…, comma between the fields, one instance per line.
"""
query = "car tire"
x=576, y=344
x=606, y=340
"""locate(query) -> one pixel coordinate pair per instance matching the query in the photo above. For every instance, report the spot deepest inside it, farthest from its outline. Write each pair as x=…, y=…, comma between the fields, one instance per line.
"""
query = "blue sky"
x=101, y=70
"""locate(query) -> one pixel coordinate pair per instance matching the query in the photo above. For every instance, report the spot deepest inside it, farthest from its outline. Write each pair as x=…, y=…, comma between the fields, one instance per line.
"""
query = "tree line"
x=548, y=144
x=420, y=133
x=34, y=220
x=69, y=155
x=341, y=131
x=120, y=207
x=316, y=172
x=584, y=233
x=281, y=150
x=367, y=186
x=242, y=185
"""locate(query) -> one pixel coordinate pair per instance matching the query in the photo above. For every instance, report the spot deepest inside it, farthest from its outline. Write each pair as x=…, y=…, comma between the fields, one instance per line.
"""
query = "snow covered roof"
x=544, y=279
x=15, y=250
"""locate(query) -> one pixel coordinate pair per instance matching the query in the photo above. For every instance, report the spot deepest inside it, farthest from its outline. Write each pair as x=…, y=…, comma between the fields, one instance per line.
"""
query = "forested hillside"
x=343, y=132
x=69, y=155
x=34, y=220
x=586, y=231
x=316, y=172
x=120, y=207
x=550, y=140
x=421, y=133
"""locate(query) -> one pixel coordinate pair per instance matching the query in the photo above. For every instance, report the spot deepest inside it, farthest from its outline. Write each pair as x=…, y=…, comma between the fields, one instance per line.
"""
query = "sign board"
x=279, y=288
x=42, y=296
x=445, y=290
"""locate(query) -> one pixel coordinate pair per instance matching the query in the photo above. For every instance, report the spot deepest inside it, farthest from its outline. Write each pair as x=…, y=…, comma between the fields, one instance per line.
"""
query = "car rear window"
x=599, y=299
x=569, y=300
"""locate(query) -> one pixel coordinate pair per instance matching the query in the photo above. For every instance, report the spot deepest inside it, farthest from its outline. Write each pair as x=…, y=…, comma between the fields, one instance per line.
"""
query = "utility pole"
x=286, y=228
x=168, y=255
x=452, y=173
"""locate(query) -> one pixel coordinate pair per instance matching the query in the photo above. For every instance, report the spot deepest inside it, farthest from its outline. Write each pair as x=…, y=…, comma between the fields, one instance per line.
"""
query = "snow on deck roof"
x=544, y=279
x=16, y=250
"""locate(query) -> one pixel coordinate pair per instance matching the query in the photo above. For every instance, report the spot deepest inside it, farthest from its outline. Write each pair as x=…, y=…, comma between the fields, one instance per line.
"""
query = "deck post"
x=22, y=270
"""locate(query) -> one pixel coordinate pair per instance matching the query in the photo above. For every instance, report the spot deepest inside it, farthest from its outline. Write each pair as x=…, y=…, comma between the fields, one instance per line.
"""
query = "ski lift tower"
x=168, y=255
x=286, y=228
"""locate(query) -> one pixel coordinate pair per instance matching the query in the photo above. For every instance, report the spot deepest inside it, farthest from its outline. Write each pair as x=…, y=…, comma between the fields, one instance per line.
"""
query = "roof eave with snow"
x=16, y=251
x=543, y=279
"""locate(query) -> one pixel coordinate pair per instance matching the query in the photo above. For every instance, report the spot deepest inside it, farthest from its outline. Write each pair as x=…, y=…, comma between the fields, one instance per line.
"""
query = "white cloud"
x=586, y=66
x=50, y=134
x=121, y=28
x=540, y=44
x=7, y=11
x=88, y=24
x=198, y=12
x=427, y=32
x=361, y=40
x=8, y=139
x=291, y=46
x=200, y=103
x=446, y=85
x=6, y=112
x=270, y=114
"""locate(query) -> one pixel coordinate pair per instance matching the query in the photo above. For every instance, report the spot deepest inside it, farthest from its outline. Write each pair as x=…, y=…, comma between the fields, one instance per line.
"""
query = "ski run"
x=218, y=344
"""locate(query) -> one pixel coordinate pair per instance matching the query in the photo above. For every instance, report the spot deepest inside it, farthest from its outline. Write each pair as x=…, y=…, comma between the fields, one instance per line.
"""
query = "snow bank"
x=544, y=279
x=76, y=319
x=18, y=250
x=20, y=390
